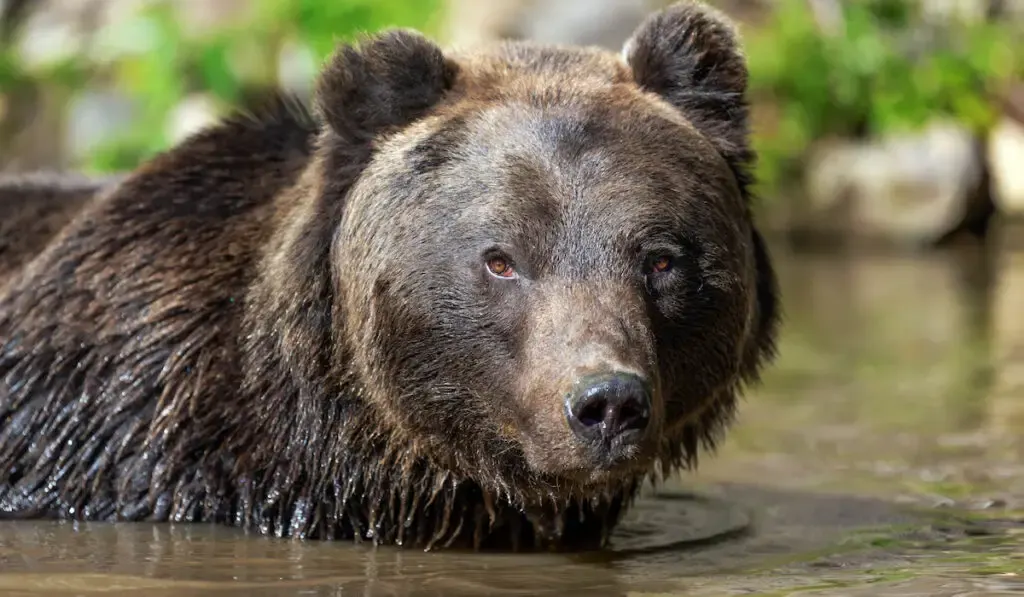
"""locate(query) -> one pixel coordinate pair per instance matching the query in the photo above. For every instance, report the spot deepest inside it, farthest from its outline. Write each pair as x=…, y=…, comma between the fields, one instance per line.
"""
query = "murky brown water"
x=882, y=457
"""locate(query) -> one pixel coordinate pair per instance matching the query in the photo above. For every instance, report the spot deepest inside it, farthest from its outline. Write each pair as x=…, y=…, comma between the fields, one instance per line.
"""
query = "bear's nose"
x=610, y=406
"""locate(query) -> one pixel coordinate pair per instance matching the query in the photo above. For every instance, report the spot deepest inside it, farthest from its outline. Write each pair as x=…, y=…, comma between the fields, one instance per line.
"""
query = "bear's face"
x=547, y=269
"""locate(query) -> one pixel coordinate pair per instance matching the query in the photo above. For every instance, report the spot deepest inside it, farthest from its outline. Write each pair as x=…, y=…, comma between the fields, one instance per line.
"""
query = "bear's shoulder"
x=128, y=319
x=34, y=207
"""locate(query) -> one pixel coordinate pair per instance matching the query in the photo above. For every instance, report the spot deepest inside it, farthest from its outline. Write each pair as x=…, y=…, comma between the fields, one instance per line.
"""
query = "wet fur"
x=34, y=207
x=178, y=351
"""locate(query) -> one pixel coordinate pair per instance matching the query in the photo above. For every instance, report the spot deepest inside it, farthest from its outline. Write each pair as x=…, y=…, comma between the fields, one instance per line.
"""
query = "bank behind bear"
x=469, y=300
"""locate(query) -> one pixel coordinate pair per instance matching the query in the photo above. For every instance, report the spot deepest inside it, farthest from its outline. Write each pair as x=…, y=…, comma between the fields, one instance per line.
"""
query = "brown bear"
x=471, y=299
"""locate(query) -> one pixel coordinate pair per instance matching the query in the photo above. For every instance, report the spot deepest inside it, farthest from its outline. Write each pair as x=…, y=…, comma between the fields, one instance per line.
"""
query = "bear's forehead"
x=561, y=144
x=557, y=132
x=571, y=167
x=526, y=97
x=514, y=63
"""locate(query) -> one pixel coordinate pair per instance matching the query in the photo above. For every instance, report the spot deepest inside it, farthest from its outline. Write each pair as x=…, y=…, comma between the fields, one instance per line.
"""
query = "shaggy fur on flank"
x=285, y=323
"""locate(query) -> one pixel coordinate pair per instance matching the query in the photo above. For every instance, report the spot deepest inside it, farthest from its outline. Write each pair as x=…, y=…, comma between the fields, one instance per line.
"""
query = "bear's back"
x=118, y=316
x=34, y=208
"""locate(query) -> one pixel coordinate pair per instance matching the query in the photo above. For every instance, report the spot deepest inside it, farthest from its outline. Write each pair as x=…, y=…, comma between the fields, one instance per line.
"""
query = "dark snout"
x=612, y=411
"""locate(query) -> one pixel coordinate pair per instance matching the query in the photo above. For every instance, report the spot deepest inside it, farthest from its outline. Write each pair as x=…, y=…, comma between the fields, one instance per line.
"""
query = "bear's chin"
x=573, y=461
x=564, y=517
x=585, y=481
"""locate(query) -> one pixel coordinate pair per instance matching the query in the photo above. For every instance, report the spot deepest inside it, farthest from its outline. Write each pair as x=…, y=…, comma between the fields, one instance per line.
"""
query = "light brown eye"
x=500, y=267
x=661, y=264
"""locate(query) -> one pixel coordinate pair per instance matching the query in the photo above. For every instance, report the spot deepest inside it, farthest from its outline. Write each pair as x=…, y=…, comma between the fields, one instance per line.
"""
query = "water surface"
x=881, y=457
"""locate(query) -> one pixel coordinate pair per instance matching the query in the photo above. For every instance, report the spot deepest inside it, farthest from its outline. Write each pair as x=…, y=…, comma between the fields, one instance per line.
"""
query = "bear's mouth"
x=592, y=464
x=617, y=452
x=620, y=458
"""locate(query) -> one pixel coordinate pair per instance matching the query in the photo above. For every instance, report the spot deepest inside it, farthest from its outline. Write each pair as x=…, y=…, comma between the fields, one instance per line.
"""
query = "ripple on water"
x=676, y=521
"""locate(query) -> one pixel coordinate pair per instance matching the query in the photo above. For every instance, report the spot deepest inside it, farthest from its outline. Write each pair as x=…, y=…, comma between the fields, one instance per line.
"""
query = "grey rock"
x=606, y=23
x=192, y=114
x=1006, y=161
x=95, y=117
x=909, y=188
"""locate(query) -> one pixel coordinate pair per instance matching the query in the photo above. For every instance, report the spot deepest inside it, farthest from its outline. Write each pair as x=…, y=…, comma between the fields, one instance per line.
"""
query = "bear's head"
x=545, y=275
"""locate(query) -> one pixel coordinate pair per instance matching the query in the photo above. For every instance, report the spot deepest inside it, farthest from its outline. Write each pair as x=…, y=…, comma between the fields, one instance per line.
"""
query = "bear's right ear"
x=383, y=83
x=689, y=55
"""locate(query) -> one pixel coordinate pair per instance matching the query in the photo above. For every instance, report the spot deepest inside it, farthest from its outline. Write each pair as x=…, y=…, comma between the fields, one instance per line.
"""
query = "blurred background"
x=887, y=120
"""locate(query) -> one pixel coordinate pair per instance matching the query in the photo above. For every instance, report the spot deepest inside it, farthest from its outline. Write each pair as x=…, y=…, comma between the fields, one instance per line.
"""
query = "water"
x=881, y=457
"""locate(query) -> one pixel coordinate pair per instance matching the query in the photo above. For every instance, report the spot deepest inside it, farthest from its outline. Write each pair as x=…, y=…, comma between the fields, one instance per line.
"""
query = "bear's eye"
x=660, y=264
x=501, y=267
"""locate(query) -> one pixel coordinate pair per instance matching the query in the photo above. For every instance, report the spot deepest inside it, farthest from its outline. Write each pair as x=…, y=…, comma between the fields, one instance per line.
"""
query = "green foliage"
x=157, y=62
x=881, y=71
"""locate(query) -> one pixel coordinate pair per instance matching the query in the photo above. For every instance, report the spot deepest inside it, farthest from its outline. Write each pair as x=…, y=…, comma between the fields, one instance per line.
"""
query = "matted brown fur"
x=284, y=322
x=33, y=209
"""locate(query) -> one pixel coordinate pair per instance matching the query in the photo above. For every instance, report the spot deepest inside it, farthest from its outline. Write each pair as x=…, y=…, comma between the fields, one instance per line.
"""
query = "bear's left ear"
x=383, y=83
x=689, y=54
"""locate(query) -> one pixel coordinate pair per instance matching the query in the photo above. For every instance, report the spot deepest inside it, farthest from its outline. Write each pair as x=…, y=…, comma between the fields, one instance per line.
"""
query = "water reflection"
x=899, y=384
x=886, y=372
x=190, y=560
x=731, y=529
x=1006, y=408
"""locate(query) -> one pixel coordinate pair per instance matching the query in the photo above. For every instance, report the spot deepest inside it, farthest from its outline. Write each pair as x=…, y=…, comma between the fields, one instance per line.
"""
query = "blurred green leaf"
x=157, y=63
x=215, y=71
x=10, y=71
x=874, y=76
x=863, y=80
